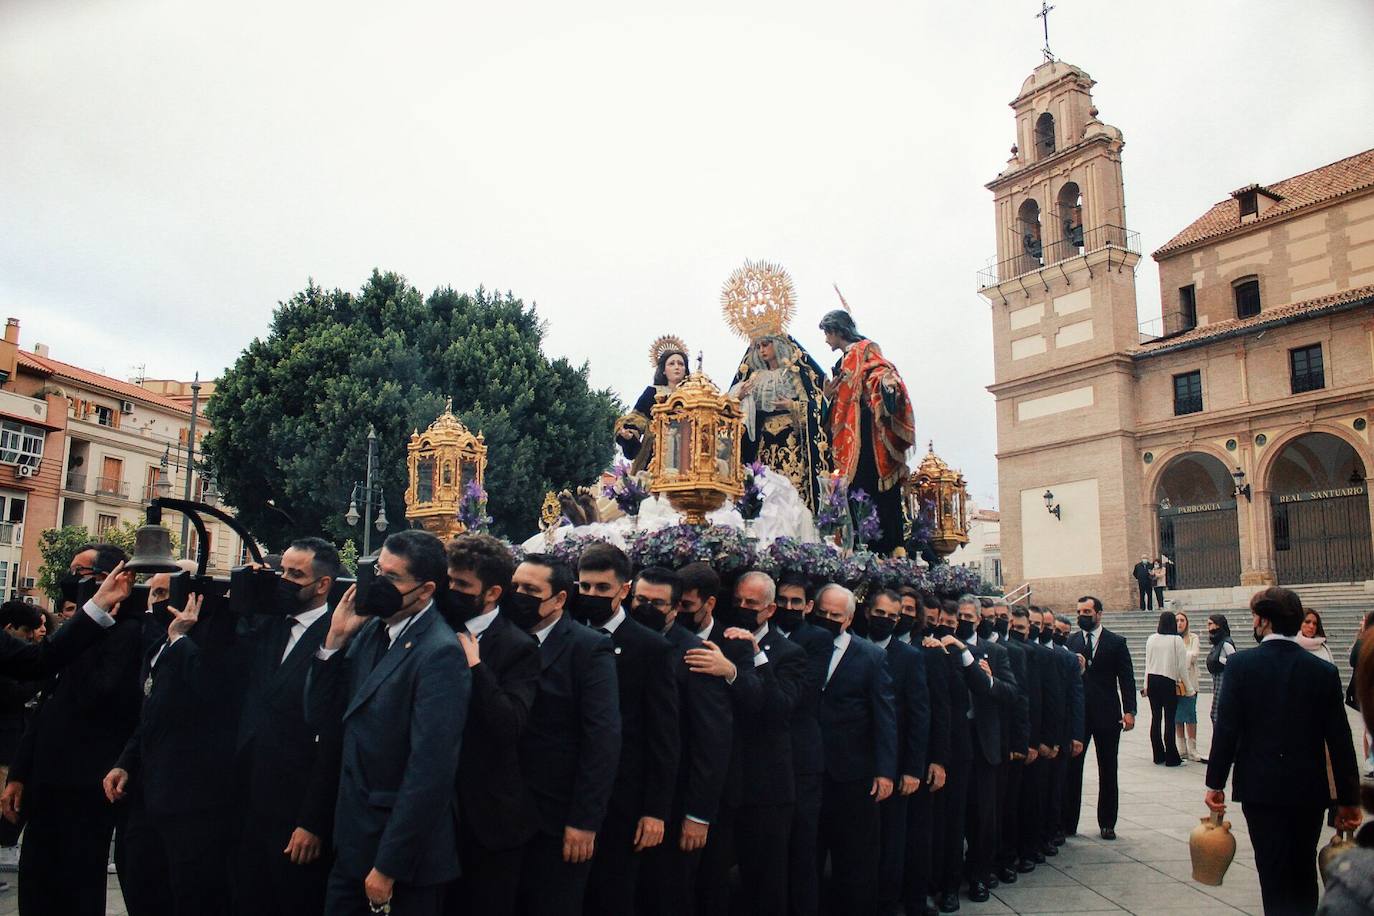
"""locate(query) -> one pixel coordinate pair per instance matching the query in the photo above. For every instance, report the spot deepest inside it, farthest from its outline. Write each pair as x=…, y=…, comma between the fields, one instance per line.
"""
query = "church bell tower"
x=1062, y=291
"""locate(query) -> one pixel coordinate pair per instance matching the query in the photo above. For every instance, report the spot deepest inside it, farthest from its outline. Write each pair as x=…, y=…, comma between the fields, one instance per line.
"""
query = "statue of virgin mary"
x=778, y=383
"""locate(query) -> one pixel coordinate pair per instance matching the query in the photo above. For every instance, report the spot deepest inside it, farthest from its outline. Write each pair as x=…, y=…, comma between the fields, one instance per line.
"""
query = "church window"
x=1044, y=135
x=1247, y=290
x=1187, y=307
x=1307, y=370
x=1028, y=226
x=1188, y=393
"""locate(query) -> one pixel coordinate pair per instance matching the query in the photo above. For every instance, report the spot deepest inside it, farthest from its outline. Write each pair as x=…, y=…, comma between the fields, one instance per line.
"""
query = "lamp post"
x=190, y=465
x=351, y=516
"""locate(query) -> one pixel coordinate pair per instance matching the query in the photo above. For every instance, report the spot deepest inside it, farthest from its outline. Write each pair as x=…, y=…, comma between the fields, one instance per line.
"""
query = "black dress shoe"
x=1025, y=866
x=1050, y=849
x=1039, y=857
x=978, y=892
x=1006, y=875
x=1108, y=833
x=991, y=882
x=949, y=903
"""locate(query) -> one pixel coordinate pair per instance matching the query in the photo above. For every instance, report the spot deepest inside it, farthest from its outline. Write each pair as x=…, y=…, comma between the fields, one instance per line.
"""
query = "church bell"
x=152, y=551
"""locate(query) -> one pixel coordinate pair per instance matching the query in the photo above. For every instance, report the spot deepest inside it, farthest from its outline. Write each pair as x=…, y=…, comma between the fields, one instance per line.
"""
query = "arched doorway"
x=1197, y=522
x=1321, y=512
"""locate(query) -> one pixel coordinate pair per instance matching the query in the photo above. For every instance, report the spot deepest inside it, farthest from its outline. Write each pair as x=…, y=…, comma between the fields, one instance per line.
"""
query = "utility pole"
x=190, y=469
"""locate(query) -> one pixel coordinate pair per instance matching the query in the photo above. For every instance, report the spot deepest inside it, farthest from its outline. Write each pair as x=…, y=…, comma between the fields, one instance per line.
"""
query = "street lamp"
x=1051, y=506
x=365, y=491
x=1242, y=488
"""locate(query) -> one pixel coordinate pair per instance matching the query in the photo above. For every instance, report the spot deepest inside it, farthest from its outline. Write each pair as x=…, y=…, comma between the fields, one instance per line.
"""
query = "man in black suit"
x=921, y=823
x=23, y=660
x=1281, y=720
x=287, y=771
x=1021, y=725
x=65, y=751
x=795, y=605
x=494, y=821
x=396, y=677
x=1045, y=692
x=1109, y=707
x=1075, y=729
x=859, y=725
x=992, y=687
x=911, y=695
x=951, y=805
x=705, y=720
x=1144, y=582
x=571, y=746
x=642, y=798
x=766, y=686
x=176, y=769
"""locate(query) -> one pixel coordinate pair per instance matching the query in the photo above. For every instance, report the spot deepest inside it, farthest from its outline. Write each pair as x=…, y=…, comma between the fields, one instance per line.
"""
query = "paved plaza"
x=1145, y=870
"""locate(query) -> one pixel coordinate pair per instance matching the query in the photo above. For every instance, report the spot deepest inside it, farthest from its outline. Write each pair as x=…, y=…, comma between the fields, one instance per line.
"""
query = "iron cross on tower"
x=1045, y=15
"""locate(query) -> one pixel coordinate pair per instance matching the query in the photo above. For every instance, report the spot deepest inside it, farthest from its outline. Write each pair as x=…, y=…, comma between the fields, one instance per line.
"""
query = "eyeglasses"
x=658, y=604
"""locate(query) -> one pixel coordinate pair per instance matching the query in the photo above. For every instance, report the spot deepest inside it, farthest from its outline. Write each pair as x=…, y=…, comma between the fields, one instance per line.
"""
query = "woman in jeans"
x=1165, y=661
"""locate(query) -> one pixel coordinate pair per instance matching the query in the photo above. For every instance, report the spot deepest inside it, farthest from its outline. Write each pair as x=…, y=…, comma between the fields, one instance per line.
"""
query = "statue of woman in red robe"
x=871, y=425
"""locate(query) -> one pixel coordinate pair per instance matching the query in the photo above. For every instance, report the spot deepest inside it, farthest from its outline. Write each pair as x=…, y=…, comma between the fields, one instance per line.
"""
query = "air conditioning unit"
x=126, y=406
x=28, y=582
x=27, y=470
x=29, y=599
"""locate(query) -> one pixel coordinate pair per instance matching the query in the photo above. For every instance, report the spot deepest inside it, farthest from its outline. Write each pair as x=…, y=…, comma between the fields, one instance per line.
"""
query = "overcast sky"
x=170, y=171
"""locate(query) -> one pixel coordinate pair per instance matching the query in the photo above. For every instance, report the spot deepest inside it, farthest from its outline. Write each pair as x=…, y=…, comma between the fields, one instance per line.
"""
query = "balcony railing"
x=76, y=482
x=1308, y=381
x=1186, y=404
x=1166, y=325
x=11, y=534
x=111, y=486
x=1034, y=258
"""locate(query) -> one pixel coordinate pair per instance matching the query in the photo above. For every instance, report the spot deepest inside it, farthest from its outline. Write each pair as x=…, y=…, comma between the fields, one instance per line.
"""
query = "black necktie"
x=281, y=636
x=1090, y=647
x=383, y=643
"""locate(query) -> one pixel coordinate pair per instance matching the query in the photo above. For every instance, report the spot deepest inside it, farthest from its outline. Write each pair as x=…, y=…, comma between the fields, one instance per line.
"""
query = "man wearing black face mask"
x=705, y=717
x=1021, y=734
x=767, y=692
x=992, y=689
x=924, y=824
x=401, y=690
x=494, y=820
x=1024, y=840
x=65, y=751
x=571, y=745
x=287, y=772
x=1074, y=730
x=1109, y=704
x=911, y=694
x=794, y=621
x=641, y=800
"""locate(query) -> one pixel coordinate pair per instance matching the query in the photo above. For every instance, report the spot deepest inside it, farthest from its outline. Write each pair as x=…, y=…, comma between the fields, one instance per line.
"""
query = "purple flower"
x=864, y=511
x=725, y=548
x=472, y=507
x=627, y=490
x=750, y=505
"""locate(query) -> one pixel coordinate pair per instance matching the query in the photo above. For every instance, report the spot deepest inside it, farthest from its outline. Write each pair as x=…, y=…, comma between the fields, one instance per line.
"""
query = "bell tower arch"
x=1061, y=287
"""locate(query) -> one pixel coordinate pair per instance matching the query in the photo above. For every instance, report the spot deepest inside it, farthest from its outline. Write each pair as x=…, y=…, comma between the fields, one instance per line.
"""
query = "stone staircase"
x=1341, y=605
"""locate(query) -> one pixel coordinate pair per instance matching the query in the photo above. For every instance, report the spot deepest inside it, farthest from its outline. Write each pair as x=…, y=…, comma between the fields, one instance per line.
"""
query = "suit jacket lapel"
x=300, y=653
x=392, y=660
x=555, y=643
x=845, y=660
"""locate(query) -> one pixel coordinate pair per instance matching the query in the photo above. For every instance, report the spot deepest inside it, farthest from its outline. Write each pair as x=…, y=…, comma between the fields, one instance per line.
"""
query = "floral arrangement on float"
x=864, y=512
x=569, y=550
x=819, y=562
x=750, y=504
x=627, y=490
x=472, y=508
x=728, y=550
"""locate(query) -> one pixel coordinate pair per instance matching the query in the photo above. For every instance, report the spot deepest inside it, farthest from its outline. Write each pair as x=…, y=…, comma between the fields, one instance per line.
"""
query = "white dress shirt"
x=841, y=643
x=300, y=623
x=478, y=625
x=392, y=631
x=613, y=624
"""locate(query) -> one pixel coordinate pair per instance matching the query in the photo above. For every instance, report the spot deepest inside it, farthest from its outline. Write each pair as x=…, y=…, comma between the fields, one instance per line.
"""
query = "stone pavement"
x=1146, y=870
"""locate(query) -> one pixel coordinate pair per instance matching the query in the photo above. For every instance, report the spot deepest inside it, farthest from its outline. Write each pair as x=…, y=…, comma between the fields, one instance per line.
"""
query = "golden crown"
x=668, y=343
x=758, y=300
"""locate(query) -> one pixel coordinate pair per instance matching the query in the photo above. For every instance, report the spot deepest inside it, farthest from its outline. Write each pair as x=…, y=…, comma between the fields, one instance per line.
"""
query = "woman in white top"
x=1185, y=720
x=1312, y=637
x=1166, y=659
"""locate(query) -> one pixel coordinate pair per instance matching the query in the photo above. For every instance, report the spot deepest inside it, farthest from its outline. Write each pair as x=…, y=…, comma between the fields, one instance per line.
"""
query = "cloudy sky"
x=169, y=171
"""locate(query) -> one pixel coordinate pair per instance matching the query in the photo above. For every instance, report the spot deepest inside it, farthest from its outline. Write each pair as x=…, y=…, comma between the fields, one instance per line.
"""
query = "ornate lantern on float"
x=696, y=435
x=443, y=461
x=943, y=490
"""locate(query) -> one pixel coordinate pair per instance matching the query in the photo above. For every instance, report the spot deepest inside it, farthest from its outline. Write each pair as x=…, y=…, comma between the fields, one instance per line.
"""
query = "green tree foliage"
x=57, y=546
x=291, y=416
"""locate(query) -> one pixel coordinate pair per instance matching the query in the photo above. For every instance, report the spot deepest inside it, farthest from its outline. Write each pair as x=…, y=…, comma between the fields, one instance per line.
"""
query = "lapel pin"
x=617, y=650
x=409, y=644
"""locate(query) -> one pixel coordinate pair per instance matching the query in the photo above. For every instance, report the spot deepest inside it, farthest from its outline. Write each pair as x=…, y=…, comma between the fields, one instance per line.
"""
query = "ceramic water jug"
x=1212, y=847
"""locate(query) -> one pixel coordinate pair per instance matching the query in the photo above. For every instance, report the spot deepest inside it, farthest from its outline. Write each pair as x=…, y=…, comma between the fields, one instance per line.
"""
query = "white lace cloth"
x=784, y=515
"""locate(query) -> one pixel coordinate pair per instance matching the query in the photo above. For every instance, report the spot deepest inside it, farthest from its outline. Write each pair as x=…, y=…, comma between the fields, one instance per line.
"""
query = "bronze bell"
x=152, y=551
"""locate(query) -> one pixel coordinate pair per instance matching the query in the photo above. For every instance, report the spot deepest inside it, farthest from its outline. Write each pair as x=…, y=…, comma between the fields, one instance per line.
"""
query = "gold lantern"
x=696, y=434
x=443, y=461
x=946, y=491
